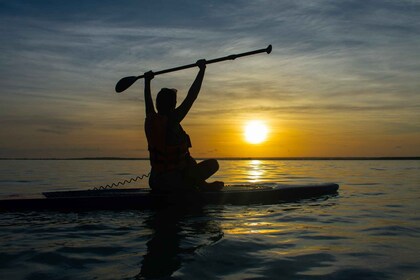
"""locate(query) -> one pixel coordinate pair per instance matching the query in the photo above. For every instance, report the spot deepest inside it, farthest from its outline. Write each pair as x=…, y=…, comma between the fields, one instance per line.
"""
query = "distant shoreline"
x=232, y=158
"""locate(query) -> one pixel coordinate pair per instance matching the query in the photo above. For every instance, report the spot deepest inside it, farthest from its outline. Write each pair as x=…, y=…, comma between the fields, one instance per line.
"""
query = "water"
x=370, y=230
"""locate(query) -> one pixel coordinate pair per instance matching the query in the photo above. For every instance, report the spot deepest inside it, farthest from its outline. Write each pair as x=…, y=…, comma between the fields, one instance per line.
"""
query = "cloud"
x=327, y=110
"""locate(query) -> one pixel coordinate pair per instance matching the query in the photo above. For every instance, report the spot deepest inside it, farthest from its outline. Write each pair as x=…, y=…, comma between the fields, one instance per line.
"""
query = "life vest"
x=168, y=145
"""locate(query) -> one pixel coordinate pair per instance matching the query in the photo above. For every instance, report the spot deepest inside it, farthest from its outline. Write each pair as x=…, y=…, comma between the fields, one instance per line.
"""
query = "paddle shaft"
x=229, y=57
x=128, y=81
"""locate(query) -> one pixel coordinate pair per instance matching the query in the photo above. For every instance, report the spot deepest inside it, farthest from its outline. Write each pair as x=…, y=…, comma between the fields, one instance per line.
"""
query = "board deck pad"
x=141, y=198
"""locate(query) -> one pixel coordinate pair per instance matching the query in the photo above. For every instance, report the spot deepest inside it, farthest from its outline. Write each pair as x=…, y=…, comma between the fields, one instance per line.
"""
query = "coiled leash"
x=121, y=183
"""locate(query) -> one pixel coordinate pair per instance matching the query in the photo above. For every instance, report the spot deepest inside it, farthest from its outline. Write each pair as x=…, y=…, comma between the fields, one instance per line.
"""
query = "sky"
x=342, y=79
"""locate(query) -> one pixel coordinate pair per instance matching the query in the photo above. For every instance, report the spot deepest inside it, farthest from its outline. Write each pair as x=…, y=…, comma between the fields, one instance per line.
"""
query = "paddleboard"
x=146, y=198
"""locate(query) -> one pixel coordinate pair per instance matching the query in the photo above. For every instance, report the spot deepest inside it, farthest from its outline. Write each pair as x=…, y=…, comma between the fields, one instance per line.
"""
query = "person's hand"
x=149, y=75
x=201, y=63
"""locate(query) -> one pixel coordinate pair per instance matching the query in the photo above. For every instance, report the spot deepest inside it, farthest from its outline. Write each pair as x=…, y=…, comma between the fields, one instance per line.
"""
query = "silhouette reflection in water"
x=166, y=250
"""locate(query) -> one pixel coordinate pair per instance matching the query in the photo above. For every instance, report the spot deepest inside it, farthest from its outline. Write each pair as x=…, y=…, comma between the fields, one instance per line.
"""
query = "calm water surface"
x=370, y=230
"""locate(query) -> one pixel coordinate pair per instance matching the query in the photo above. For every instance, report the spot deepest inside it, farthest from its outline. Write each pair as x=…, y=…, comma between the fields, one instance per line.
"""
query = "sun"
x=255, y=132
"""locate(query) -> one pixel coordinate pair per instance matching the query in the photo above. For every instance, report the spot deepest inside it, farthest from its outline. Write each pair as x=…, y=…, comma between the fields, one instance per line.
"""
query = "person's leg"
x=206, y=168
x=199, y=172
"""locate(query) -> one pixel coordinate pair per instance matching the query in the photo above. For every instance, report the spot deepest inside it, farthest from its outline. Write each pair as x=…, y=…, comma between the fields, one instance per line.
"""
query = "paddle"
x=126, y=82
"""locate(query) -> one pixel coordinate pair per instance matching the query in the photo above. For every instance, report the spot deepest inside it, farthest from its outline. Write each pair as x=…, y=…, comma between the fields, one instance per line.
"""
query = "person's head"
x=166, y=100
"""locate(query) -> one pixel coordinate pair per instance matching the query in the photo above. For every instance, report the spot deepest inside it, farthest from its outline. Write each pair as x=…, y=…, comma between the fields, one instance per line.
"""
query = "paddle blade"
x=125, y=83
x=269, y=48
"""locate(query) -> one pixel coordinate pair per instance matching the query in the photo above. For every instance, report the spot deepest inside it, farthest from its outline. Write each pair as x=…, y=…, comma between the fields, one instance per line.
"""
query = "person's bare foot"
x=213, y=186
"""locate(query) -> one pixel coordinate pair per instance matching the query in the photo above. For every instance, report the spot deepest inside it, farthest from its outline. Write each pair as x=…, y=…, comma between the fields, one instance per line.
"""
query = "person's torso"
x=168, y=143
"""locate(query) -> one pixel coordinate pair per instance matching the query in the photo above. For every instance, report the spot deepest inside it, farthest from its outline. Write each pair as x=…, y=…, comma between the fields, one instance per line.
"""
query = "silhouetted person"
x=173, y=168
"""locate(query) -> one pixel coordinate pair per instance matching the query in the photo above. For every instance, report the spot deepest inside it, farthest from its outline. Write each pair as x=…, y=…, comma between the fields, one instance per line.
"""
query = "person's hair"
x=166, y=100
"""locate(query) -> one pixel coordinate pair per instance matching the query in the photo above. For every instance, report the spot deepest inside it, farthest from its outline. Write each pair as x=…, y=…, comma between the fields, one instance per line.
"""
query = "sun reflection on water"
x=256, y=171
x=252, y=222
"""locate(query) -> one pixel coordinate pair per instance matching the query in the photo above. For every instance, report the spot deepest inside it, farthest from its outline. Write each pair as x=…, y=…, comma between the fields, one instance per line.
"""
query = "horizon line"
x=228, y=158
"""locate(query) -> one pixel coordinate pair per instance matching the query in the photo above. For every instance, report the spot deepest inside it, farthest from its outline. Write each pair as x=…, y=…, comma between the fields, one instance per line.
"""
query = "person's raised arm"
x=185, y=106
x=150, y=109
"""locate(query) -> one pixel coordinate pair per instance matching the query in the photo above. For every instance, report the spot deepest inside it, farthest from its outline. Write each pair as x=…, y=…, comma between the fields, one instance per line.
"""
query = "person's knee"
x=208, y=167
x=214, y=165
